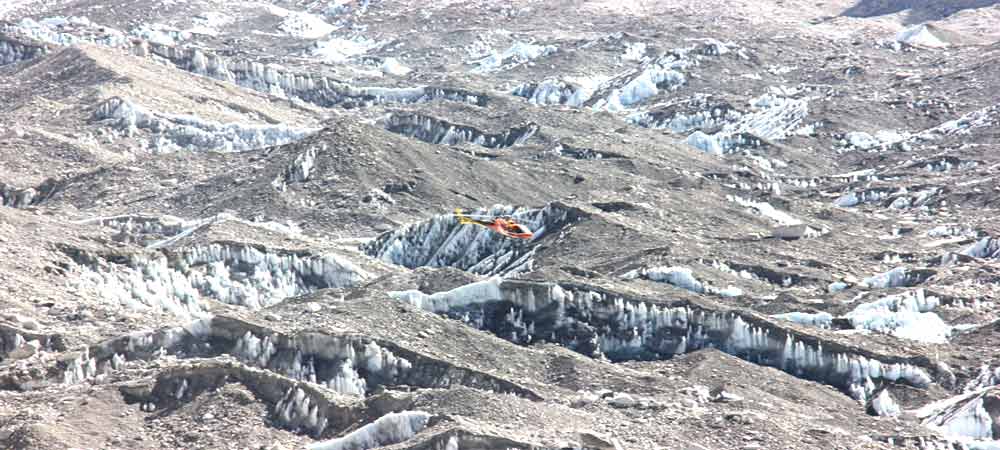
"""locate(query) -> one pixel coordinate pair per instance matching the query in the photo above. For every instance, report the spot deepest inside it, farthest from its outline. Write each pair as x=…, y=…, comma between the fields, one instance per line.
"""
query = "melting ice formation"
x=683, y=278
x=437, y=131
x=554, y=91
x=987, y=247
x=343, y=364
x=349, y=364
x=237, y=274
x=13, y=197
x=621, y=93
x=907, y=315
x=518, y=53
x=701, y=112
x=971, y=418
x=598, y=323
x=442, y=242
x=68, y=31
x=14, y=51
x=900, y=199
x=340, y=50
x=173, y=132
x=318, y=90
x=161, y=231
x=765, y=209
x=898, y=277
x=771, y=117
x=978, y=119
x=389, y=429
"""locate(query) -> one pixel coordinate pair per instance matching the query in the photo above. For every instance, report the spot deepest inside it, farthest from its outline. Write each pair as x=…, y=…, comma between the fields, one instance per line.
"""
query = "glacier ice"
x=340, y=50
x=772, y=117
x=920, y=35
x=559, y=91
x=438, y=131
x=963, y=417
x=884, y=405
x=897, y=277
x=333, y=361
x=597, y=323
x=906, y=315
x=765, y=209
x=389, y=429
x=237, y=274
x=182, y=132
x=819, y=320
x=987, y=247
x=315, y=89
x=13, y=51
x=518, y=53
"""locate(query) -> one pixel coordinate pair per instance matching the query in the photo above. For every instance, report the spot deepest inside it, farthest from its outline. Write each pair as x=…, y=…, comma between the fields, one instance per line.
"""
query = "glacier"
x=389, y=429
x=177, y=282
x=171, y=133
x=599, y=324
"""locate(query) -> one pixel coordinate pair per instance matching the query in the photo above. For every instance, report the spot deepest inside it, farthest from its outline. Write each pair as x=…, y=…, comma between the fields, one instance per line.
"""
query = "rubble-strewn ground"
x=759, y=225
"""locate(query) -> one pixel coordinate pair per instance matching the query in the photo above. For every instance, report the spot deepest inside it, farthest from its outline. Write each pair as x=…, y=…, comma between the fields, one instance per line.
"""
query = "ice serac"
x=518, y=53
x=898, y=277
x=14, y=50
x=556, y=91
x=972, y=418
x=682, y=277
x=772, y=117
x=178, y=282
x=442, y=242
x=315, y=89
x=292, y=404
x=171, y=132
x=987, y=247
x=438, y=131
x=908, y=315
x=599, y=323
x=389, y=429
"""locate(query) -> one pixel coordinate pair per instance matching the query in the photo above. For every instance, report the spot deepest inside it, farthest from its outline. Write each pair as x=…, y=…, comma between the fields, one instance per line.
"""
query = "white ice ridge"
x=68, y=31
x=626, y=327
x=920, y=35
x=772, y=117
x=963, y=417
x=765, y=209
x=884, y=405
x=280, y=82
x=232, y=273
x=12, y=51
x=681, y=277
x=171, y=132
x=897, y=277
x=560, y=91
x=389, y=429
x=518, y=53
x=906, y=315
x=987, y=247
x=299, y=24
x=298, y=359
x=819, y=320
x=664, y=73
x=339, y=50
x=442, y=242
x=176, y=228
